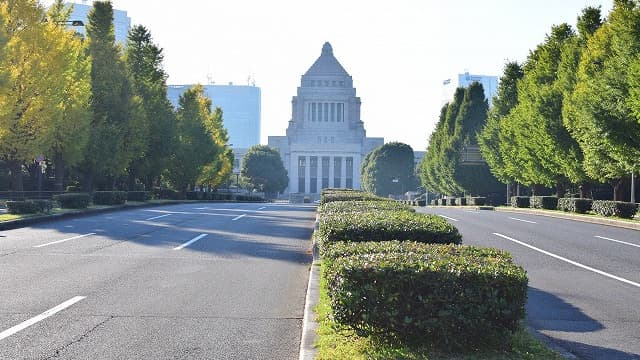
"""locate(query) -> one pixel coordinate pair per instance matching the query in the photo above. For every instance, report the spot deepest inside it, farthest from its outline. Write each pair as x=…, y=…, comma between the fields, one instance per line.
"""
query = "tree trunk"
x=560, y=190
x=518, y=189
x=59, y=172
x=617, y=190
x=16, y=175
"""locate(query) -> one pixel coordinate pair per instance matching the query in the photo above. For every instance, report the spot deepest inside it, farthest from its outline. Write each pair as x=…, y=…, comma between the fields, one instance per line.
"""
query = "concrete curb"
x=575, y=217
x=309, y=324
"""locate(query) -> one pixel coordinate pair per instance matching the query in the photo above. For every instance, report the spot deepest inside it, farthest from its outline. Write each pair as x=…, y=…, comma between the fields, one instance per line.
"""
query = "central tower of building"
x=326, y=141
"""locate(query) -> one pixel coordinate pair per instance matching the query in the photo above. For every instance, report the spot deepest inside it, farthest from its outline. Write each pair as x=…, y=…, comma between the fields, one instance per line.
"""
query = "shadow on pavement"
x=546, y=311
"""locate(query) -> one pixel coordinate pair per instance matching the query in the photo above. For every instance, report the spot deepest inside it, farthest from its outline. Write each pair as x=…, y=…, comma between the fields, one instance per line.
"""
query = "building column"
x=307, y=173
x=357, y=160
x=331, y=165
x=343, y=173
x=293, y=167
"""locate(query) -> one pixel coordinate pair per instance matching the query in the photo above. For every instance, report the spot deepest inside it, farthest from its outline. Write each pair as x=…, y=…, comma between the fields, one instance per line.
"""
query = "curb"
x=576, y=217
x=309, y=324
x=551, y=344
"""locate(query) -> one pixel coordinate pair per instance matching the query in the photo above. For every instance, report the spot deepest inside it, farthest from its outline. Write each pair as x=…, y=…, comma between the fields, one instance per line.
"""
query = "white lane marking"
x=618, y=241
x=527, y=221
x=190, y=242
x=157, y=217
x=575, y=263
x=449, y=218
x=262, y=208
x=63, y=240
x=238, y=217
x=44, y=315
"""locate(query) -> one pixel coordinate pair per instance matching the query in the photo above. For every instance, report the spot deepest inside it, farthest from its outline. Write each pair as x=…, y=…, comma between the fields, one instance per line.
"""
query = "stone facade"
x=326, y=140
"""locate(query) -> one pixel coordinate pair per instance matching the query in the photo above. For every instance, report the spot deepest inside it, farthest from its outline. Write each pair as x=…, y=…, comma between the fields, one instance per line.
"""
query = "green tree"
x=489, y=138
x=263, y=169
x=71, y=123
x=118, y=129
x=602, y=110
x=219, y=169
x=197, y=139
x=144, y=64
x=389, y=169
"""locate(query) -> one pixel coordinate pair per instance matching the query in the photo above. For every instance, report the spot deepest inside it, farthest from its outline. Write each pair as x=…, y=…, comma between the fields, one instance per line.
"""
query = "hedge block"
x=544, y=202
x=576, y=205
x=614, y=208
x=520, y=201
x=29, y=206
x=447, y=295
x=73, y=200
x=477, y=201
x=138, y=196
x=109, y=197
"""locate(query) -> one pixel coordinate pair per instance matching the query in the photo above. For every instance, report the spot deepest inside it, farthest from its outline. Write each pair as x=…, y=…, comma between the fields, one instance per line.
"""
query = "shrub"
x=362, y=206
x=451, y=201
x=29, y=206
x=384, y=225
x=422, y=202
x=194, y=195
x=138, y=196
x=614, y=208
x=520, y=201
x=109, y=197
x=447, y=295
x=329, y=195
x=574, y=205
x=462, y=201
x=168, y=194
x=477, y=201
x=73, y=200
x=544, y=202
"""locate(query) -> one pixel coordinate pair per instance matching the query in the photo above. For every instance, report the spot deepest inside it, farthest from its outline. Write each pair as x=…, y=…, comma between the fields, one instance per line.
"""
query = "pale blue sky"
x=398, y=52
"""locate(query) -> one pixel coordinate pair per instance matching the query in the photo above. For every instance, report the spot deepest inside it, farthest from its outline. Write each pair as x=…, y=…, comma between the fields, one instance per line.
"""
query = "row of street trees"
x=568, y=117
x=97, y=112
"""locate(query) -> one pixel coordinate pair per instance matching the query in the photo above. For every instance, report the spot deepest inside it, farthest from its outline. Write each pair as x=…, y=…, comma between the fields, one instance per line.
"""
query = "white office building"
x=121, y=22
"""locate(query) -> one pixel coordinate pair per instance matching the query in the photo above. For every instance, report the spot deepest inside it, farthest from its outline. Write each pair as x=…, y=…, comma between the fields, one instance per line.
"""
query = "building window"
x=325, y=172
x=302, y=166
x=313, y=177
x=340, y=112
x=313, y=83
x=337, y=172
x=332, y=139
x=333, y=83
x=326, y=112
x=313, y=111
x=326, y=83
x=319, y=112
x=319, y=139
x=349, y=174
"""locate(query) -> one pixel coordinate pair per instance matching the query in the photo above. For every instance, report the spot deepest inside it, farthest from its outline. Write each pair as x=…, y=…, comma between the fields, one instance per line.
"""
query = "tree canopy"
x=263, y=169
x=389, y=170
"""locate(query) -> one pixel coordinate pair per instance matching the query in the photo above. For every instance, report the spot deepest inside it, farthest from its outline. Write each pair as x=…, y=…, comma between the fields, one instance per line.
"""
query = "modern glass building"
x=121, y=22
x=489, y=84
x=240, y=106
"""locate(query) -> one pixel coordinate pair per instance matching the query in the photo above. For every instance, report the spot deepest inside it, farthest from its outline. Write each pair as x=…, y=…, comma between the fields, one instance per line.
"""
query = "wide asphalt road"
x=191, y=281
x=584, y=279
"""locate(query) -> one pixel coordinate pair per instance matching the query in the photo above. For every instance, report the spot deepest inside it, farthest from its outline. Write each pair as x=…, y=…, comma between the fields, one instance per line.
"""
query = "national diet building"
x=326, y=141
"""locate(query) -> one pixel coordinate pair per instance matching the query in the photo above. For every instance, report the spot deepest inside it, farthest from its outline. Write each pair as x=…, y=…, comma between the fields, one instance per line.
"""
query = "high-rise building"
x=241, y=109
x=121, y=22
x=489, y=84
x=326, y=140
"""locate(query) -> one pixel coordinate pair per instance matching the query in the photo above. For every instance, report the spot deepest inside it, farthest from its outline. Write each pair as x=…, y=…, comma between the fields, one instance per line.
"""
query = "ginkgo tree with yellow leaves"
x=45, y=87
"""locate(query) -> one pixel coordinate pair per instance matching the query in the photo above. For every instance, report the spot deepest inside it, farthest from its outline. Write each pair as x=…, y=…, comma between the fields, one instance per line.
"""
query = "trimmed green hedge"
x=29, y=206
x=362, y=206
x=446, y=295
x=195, y=195
x=451, y=201
x=477, y=201
x=387, y=225
x=329, y=195
x=138, y=196
x=575, y=205
x=109, y=197
x=614, y=208
x=73, y=200
x=462, y=201
x=544, y=202
x=520, y=201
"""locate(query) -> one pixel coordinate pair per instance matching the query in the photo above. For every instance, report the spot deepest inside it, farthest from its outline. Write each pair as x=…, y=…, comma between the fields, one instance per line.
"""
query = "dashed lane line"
x=238, y=217
x=575, y=263
x=618, y=241
x=190, y=242
x=449, y=218
x=36, y=319
x=157, y=217
x=527, y=221
x=63, y=240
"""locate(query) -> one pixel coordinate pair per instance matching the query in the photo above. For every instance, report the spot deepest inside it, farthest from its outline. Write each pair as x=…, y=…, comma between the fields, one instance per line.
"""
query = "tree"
x=144, y=64
x=118, y=124
x=198, y=139
x=389, y=169
x=489, y=138
x=39, y=100
x=220, y=168
x=71, y=123
x=263, y=169
x=602, y=111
